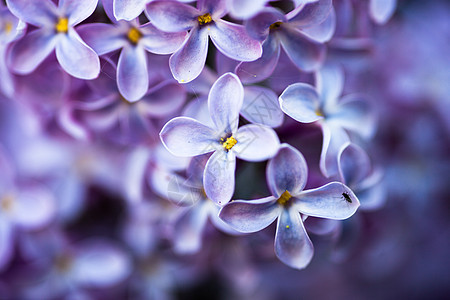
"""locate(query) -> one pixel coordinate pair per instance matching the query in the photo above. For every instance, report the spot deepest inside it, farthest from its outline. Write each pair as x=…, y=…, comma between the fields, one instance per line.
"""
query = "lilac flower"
x=230, y=39
x=134, y=40
x=352, y=114
x=126, y=9
x=184, y=136
x=244, y=9
x=55, y=32
x=301, y=33
x=286, y=175
x=382, y=10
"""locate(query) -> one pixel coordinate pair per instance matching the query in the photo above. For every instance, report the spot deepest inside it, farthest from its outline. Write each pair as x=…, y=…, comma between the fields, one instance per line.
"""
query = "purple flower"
x=55, y=32
x=382, y=10
x=286, y=175
x=244, y=9
x=185, y=136
x=352, y=113
x=301, y=33
x=230, y=39
x=126, y=9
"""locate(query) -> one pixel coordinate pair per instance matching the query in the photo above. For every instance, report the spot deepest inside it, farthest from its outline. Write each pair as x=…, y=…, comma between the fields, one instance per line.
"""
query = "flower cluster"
x=128, y=142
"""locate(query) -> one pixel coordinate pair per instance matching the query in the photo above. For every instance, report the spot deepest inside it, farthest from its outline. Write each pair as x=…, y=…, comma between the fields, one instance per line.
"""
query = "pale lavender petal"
x=244, y=9
x=7, y=81
x=261, y=106
x=172, y=16
x=372, y=198
x=34, y=207
x=332, y=201
x=103, y=38
x=322, y=226
x=250, y=216
x=198, y=109
x=134, y=174
x=287, y=171
x=218, y=178
x=189, y=228
x=160, y=42
x=354, y=164
x=75, y=57
x=184, y=136
x=76, y=10
x=300, y=101
x=6, y=242
x=292, y=244
x=132, y=73
x=214, y=210
x=196, y=168
x=225, y=101
x=27, y=53
x=262, y=68
x=329, y=83
x=382, y=10
x=256, y=142
x=334, y=137
x=128, y=9
x=311, y=14
x=36, y=12
x=258, y=27
x=163, y=99
x=324, y=31
x=233, y=41
x=217, y=8
x=188, y=61
x=306, y=54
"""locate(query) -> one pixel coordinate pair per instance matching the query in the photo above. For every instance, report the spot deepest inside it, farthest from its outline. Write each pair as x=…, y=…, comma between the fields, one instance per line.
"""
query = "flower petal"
x=75, y=57
x=233, y=41
x=261, y=106
x=36, y=12
x=256, y=142
x=196, y=168
x=27, y=53
x=329, y=83
x=262, y=68
x=300, y=101
x=258, y=27
x=132, y=73
x=214, y=210
x=382, y=10
x=188, y=61
x=334, y=137
x=324, y=31
x=172, y=16
x=292, y=244
x=6, y=242
x=312, y=13
x=354, y=164
x=103, y=38
x=162, y=99
x=76, y=10
x=218, y=178
x=128, y=9
x=225, y=101
x=287, y=171
x=160, y=42
x=33, y=208
x=332, y=201
x=184, y=136
x=217, y=8
x=322, y=226
x=244, y=9
x=250, y=216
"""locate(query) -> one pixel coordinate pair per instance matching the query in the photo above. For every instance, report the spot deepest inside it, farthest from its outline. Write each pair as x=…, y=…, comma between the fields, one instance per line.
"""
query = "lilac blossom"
x=202, y=22
x=382, y=10
x=286, y=175
x=55, y=31
x=185, y=136
x=336, y=117
x=301, y=33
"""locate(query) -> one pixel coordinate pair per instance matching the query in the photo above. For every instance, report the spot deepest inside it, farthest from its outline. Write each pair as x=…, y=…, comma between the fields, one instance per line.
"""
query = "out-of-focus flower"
x=382, y=10
x=286, y=177
x=205, y=21
x=55, y=32
x=185, y=136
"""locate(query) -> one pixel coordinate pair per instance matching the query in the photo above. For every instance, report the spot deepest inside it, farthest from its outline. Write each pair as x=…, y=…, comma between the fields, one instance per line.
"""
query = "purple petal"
x=244, y=9
x=306, y=54
x=128, y=9
x=160, y=42
x=189, y=228
x=258, y=27
x=233, y=41
x=76, y=10
x=36, y=12
x=261, y=106
x=311, y=14
x=250, y=216
x=33, y=208
x=196, y=168
x=217, y=8
x=225, y=101
x=262, y=68
x=6, y=243
x=324, y=31
x=292, y=244
x=354, y=164
x=75, y=57
x=322, y=226
x=287, y=171
x=134, y=174
x=300, y=101
x=172, y=16
x=188, y=61
x=214, y=210
x=103, y=38
x=7, y=82
x=27, y=53
x=162, y=99
x=334, y=137
x=198, y=109
x=132, y=73
x=329, y=83
x=331, y=201
x=184, y=136
x=256, y=142
x=218, y=178
x=373, y=197
x=382, y=10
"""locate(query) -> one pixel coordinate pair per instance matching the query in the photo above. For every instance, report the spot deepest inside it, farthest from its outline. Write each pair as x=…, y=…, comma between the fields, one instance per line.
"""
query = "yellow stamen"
x=62, y=26
x=275, y=25
x=6, y=202
x=204, y=19
x=287, y=226
x=8, y=27
x=134, y=35
x=319, y=112
x=229, y=143
x=284, y=198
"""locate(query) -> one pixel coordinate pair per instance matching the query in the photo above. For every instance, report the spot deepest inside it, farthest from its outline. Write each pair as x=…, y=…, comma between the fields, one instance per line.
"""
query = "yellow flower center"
x=275, y=25
x=284, y=198
x=228, y=143
x=204, y=19
x=319, y=112
x=134, y=35
x=62, y=26
x=8, y=27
